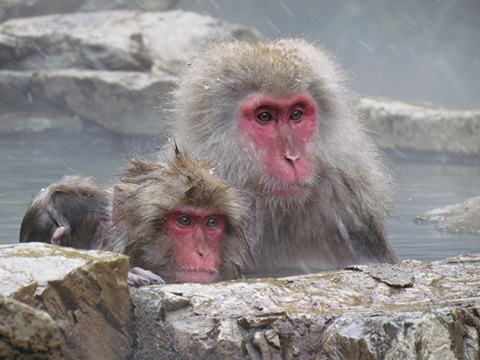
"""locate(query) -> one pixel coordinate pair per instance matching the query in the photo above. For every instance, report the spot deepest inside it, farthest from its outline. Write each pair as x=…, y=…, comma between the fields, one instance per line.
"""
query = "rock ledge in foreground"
x=80, y=299
x=84, y=292
x=410, y=310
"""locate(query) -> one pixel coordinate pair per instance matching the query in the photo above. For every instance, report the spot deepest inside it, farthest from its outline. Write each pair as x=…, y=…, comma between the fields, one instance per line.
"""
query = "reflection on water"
x=31, y=162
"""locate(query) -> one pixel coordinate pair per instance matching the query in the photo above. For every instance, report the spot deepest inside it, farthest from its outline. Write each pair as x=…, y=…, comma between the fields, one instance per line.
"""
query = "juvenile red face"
x=197, y=236
x=281, y=128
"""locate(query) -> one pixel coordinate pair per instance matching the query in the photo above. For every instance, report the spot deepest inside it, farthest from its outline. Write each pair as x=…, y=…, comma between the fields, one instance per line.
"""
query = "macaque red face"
x=197, y=235
x=281, y=128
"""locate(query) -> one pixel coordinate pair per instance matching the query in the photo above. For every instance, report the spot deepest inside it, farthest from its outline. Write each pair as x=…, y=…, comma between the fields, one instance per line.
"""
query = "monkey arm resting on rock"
x=173, y=219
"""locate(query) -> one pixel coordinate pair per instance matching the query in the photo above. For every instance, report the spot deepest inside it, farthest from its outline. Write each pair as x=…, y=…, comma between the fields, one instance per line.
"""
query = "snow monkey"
x=70, y=213
x=176, y=221
x=275, y=118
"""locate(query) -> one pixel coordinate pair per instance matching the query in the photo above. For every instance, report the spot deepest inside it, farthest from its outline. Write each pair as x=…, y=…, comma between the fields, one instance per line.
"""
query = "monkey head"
x=180, y=221
x=272, y=109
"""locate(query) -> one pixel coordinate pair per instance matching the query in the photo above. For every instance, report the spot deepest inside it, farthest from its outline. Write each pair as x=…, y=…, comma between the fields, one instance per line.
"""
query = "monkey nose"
x=203, y=253
x=291, y=157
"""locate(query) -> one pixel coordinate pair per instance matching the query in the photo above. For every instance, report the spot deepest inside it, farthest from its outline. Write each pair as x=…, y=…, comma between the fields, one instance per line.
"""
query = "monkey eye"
x=184, y=220
x=264, y=117
x=212, y=222
x=296, y=115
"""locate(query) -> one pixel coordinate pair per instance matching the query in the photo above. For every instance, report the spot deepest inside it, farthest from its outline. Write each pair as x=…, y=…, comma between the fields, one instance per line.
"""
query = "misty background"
x=421, y=51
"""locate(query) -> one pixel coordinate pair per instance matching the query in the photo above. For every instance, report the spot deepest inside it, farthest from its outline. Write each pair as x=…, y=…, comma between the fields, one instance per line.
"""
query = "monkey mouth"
x=196, y=276
x=290, y=191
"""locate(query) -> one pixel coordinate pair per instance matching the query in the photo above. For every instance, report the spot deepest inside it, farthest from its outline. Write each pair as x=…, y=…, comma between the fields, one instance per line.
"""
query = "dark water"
x=31, y=162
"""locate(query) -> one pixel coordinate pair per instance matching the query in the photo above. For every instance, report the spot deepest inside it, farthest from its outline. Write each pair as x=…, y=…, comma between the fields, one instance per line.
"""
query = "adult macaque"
x=174, y=219
x=275, y=118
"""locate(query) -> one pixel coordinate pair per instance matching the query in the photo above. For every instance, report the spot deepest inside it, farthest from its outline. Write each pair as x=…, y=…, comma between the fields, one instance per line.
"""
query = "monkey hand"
x=67, y=213
x=141, y=277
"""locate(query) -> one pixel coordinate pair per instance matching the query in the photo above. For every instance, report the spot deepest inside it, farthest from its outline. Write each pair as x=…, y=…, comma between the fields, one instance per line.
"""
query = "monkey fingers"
x=59, y=233
x=141, y=277
x=70, y=213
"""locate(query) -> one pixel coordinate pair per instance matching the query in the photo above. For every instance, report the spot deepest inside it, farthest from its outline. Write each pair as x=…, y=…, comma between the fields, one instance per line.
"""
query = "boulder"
x=84, y=292
x=111, y=40
x=123, y=102
x=401, y=126
x=27, y=333
x=404, y=311
x=49, y=99
x=458, y=218
x=157, y=5
x=110, y=67
x=27, y=8
x=60, y=302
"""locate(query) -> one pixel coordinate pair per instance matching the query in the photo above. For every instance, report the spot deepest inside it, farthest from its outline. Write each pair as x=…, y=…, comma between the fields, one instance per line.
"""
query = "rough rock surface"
x=412, y=310
x=402, y=126
x=458, y=218
x=60, y=302
x=110, y=67
x=124, y=102
x=26, y=8
x=121, y=101
x=84, y=292
x=111, y=40
x=27, y=333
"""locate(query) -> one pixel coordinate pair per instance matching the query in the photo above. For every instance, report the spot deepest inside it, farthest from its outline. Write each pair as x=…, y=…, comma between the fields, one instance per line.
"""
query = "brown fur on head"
x=149, y=190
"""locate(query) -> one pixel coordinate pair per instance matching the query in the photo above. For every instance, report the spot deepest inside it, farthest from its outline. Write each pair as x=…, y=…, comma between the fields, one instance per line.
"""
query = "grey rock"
x=404, y=311
x=124, y=102
x=84, y=292
x=110, y=40
x=458, y=218
x=27, y=8
x=17, y=92
x=426, y=128
x=173, y=37
x=121, y=101
x=38, y=121
x=411, y=310
x=99, y=40
x=27, y=333
x=157, y=5
x=112, y=67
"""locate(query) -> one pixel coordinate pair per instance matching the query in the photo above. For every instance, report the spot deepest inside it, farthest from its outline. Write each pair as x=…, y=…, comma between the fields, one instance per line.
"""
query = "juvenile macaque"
x=70, y=213
x=174, y=219
x=275, y=118
x=178, y=221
